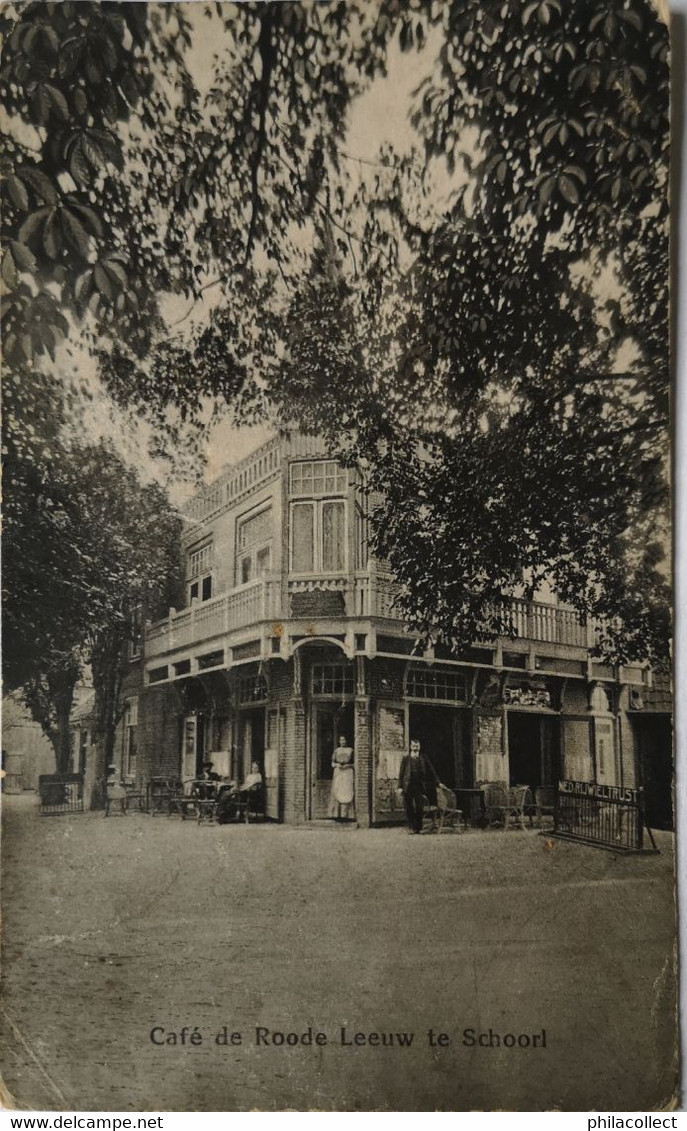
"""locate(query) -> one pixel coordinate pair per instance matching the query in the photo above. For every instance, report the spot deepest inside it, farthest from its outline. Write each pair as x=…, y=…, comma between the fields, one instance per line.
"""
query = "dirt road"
x=121, y=933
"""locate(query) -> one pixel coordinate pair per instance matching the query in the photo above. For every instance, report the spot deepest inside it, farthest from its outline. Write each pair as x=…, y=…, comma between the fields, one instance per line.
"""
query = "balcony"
x=326, y=599
x=250, y=604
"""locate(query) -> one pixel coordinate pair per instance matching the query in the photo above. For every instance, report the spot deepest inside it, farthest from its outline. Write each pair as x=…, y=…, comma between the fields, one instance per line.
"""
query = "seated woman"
x=252, y=779
x=232, y=796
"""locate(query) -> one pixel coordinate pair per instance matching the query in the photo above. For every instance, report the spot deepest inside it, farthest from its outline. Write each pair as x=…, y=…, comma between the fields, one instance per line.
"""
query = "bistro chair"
x=519, y=795
x=448, y=811
x=544, y=803
x=181, y=800
x=134, y=795
x=160, y=792
x=497, y=803
x=254, y=802
x=206, y=810
x=430, y=815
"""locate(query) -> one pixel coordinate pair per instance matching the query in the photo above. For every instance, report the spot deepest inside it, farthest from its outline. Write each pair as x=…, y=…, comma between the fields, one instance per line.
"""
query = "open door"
x=329, y=720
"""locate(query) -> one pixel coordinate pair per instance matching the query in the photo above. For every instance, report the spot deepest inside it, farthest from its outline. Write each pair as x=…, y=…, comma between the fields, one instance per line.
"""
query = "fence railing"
x=60, y=793
x=606, y=815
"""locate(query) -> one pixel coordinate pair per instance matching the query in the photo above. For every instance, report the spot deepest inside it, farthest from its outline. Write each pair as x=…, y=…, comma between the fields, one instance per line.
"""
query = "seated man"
x=207, y=792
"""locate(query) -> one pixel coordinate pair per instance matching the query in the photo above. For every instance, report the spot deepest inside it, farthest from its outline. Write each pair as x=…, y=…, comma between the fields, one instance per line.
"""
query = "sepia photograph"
x=337, y=638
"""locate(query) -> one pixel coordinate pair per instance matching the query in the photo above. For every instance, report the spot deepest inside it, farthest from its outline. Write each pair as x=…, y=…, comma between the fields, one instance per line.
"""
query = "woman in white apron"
x=341, y=806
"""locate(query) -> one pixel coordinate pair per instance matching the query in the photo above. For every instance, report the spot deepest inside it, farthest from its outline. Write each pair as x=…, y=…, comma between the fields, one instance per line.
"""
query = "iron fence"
x=606, y=815
x=60, y=793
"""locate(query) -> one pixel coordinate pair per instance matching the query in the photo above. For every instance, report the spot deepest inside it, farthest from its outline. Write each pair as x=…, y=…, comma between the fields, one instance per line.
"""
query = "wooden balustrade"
x=370, y=595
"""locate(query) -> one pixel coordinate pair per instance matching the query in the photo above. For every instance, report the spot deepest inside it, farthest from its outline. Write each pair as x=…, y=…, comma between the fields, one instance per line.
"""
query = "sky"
x=380, y=116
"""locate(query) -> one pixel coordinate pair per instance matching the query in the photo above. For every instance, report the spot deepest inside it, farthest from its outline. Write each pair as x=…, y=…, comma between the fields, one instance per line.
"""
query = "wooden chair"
x=430, y=815
x=251, y=803
x=448, y=811
x=496, y=803
x=518, y=795
x=135, y=796
x=160, y=793
x=206, y=810
x=544, y=803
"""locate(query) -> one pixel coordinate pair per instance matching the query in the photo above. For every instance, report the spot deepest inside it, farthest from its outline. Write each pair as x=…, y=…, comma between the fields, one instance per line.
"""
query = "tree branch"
x=268, y=20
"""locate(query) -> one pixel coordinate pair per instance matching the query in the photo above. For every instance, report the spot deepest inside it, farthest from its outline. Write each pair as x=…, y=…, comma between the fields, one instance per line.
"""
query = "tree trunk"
x=62, y=683
x=63, y=742
x=108, y=666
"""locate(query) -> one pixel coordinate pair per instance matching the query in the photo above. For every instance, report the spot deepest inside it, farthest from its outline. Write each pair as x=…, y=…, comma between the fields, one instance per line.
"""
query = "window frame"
x=437, y=675
x=130, y=737
x=341, y=676
x=318, y=505
x=250, y=552
x=338, y=477
x=199, y=572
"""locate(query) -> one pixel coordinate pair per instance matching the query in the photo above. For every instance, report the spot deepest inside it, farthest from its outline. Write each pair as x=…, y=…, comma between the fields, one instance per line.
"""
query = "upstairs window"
x=199, y=573
x=318, y=477
x=253, y=546
x=317, y=524
x=318, y=537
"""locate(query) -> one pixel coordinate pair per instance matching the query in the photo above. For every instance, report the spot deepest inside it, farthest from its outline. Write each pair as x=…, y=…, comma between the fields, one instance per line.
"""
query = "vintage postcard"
x=337, y=742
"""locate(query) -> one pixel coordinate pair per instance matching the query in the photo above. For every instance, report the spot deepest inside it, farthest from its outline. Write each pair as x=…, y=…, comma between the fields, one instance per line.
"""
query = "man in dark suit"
x=412, y=778
x=207, y=792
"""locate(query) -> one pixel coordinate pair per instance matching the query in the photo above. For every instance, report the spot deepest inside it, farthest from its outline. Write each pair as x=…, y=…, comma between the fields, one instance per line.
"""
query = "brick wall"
x=363, y=761
x=159, y=749
x=295, y=769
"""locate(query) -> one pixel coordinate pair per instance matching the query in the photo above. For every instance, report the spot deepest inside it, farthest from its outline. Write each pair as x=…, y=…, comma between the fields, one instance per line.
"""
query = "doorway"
x=193, y=747
x=329, y=720
x=654, y=745
x=533, y=749
x=444, y=736
x=251, y=741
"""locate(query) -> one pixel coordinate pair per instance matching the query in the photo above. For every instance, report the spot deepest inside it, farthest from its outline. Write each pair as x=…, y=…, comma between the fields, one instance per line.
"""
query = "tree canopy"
x=479, y=321
x=85, y=545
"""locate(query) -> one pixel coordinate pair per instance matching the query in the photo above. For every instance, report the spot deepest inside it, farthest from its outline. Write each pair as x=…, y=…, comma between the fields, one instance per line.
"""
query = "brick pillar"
x=363, y=761
x=294, y=763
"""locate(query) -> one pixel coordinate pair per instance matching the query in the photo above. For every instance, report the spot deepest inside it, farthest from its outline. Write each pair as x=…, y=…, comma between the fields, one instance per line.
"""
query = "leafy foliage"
x=494, y=355
x=85, y=543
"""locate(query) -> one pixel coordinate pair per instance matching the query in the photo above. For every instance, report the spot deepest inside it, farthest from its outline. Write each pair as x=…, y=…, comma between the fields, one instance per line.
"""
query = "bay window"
x=318, y=536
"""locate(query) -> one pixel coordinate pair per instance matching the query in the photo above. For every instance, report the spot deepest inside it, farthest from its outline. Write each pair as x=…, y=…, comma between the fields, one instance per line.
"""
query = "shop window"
x=253, y=546
x=318, y=537
x=332, y=679
x=435, y=684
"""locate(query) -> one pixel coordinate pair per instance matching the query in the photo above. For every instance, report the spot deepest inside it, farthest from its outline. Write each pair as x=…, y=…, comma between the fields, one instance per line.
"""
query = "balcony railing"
x=367, y=595
x=249, y=604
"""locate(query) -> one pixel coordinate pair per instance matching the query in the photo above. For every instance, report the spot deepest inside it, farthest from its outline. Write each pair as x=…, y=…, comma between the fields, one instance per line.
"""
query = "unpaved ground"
x=113, y=927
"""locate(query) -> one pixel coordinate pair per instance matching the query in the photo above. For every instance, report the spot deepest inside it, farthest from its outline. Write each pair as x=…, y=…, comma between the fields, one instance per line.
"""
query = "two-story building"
x=290, y=637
